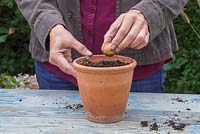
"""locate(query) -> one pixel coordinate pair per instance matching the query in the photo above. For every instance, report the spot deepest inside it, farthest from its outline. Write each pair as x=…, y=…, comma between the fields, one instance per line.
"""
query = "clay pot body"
x=104, y=90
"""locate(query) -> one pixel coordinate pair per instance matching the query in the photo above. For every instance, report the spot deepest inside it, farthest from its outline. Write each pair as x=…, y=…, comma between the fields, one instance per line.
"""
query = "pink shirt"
x=96, y=18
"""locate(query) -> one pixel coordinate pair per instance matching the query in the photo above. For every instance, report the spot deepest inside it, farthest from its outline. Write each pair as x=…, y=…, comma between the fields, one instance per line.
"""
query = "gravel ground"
x=26, y=81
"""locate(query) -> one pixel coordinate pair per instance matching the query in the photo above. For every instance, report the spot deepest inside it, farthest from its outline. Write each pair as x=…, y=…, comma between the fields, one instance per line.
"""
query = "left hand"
x=129, y=30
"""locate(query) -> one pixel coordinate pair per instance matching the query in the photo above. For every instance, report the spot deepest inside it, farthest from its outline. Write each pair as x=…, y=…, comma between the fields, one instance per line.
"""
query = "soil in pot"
x=103, y=63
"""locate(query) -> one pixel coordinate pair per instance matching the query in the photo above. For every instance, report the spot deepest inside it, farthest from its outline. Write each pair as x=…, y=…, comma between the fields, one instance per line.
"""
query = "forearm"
x=159, y=13
x=41, y=15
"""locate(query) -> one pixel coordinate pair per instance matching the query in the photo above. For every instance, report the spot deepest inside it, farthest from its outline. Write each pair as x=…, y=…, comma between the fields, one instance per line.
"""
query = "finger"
x=60, y=61
x=130, y=37
x=140, y=38
x=123, y=31
x=81, y=48
x=57, y=58
x=108, y=37
x=73, y=43
x=67, y=67
x=113, y=29
x=67, y=55
x=144, y=43
x=74, y=71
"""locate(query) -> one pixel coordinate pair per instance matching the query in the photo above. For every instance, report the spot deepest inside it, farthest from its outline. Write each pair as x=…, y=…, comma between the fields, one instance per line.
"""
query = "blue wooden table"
x=52, y=112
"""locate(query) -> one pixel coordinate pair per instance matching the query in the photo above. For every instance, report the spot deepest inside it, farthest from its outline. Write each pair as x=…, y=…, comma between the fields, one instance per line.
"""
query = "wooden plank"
x=158, y=102
x=43, y=111
x=131, y=115
x=80, y=126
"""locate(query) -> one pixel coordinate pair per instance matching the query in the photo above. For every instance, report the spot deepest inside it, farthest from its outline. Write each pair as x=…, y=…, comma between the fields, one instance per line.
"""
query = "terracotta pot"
x=104, y=90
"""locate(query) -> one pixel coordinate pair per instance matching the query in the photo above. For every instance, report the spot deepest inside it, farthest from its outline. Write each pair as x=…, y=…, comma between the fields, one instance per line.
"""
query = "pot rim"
x=101, y=70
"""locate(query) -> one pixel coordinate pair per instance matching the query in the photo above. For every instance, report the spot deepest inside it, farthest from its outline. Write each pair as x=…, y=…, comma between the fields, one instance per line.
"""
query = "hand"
x=129, y=30
x=61, y=42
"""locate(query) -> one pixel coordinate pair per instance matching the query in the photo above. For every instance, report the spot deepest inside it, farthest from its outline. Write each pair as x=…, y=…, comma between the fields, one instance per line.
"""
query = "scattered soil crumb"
x=188, y=109
x=154, y=126
x=175, y=125
x=179, y=99
x=74, y=106
x=179, y=126
x=144, y=123
x=170, y=123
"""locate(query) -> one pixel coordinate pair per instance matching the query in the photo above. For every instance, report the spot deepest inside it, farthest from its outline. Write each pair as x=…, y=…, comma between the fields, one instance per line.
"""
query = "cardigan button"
x=71, y=16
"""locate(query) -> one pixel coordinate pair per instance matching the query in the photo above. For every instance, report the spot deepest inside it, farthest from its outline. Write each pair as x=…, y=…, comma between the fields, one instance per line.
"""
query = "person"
x=63, y=30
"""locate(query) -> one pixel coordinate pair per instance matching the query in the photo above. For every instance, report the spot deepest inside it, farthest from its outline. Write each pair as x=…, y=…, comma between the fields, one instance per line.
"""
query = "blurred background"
x=16, y=65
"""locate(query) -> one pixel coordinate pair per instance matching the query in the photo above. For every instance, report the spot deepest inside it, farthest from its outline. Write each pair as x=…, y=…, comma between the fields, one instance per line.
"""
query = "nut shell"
x=106, y=50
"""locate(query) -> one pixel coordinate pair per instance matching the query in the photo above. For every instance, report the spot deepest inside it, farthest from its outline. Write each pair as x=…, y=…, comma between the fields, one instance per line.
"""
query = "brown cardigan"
x=42, y=15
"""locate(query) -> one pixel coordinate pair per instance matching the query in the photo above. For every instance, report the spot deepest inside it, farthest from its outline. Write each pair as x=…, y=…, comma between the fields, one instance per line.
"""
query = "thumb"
x=107, y=38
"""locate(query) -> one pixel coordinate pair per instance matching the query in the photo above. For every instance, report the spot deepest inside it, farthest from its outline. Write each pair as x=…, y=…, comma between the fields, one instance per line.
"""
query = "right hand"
x=130, y=30
x=61, y=42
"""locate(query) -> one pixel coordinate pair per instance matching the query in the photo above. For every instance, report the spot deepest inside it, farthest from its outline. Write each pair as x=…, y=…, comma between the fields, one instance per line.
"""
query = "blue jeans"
x=48, y=80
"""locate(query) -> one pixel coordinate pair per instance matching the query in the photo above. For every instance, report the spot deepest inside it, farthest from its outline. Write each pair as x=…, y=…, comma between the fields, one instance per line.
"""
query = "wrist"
x=57, y=28
x=135, y=11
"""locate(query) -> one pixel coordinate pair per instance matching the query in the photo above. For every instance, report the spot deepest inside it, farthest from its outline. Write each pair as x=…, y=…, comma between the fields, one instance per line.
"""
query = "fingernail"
x=88, y=52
